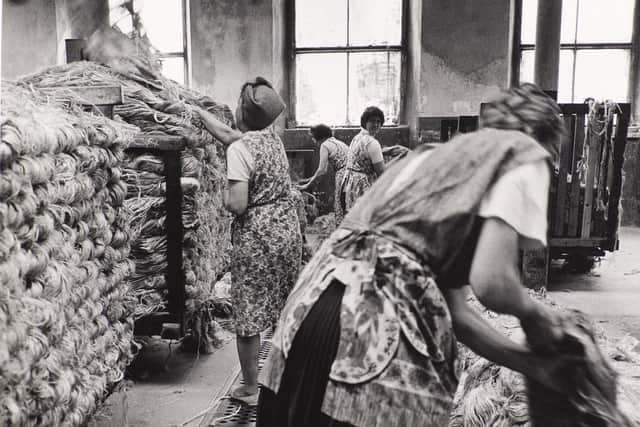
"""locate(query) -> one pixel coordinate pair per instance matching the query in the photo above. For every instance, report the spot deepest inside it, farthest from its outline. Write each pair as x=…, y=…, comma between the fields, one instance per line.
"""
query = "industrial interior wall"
x=78, y=19
x=465, y=55
x=33, y=32
x=231, y=42
x=29, y=37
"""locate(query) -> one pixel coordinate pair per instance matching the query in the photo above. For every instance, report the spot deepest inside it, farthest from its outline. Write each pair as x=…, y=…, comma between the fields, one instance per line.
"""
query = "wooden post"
x=547, y=56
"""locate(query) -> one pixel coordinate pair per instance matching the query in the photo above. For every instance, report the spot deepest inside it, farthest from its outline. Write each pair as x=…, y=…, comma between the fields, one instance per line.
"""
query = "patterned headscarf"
x=528, y=109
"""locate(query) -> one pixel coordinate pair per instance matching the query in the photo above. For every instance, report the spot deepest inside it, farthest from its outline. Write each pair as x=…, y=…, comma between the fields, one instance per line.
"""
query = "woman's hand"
x=543, y=327
x=547, y=370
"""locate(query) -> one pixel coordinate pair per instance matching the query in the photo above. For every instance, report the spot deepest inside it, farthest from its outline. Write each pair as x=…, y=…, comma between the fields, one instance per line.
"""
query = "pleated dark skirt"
x=305, y=377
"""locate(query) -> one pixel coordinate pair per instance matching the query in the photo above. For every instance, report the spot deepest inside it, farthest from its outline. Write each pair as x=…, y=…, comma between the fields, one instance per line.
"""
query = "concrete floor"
x=610, y=293
x=172, y=387
x=169, y=387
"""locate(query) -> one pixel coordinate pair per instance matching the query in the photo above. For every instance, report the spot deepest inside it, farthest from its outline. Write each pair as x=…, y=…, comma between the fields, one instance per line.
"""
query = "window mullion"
x=348, y=63
x=348, y=88
x=575, y=53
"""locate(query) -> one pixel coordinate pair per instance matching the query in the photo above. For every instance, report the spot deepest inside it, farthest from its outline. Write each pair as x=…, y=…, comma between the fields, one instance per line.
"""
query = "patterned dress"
x=338, y=152
x=267, y=244
x=359, y=175
x=410, y=236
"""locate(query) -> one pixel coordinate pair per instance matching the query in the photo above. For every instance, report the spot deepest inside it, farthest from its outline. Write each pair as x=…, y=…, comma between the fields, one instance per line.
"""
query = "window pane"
x=526, y=66
x=602, y=74
x=120, y=16
x=321, y=23
x=374, y=79
x=321, y=88
x=605, y=21
x=173, y=68
x=162, y=21
x=375, y=22
x=530, y=14
x=565, y=76
x=565, y=72
x=568, y=23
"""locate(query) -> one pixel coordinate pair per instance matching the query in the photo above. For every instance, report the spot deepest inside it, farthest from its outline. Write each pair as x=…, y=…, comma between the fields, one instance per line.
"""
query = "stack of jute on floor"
x=65, y=313
x=158, y=106
x=491, y=395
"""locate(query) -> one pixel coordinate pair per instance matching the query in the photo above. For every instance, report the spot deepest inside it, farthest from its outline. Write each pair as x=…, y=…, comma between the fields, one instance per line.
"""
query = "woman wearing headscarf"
x=266, y=238
x=367, y=335
x=334, y=153
x=365, y=161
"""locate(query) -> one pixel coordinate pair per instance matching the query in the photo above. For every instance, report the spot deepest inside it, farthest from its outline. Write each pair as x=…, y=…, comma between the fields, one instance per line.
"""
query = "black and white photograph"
x=320, y=213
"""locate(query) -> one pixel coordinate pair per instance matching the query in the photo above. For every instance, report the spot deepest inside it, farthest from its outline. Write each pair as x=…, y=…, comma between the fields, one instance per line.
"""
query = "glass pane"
x=162, y=21
x=119, y=16
x=526, y=66
x=321, y=23
x=565, y=76
x=375, y=22
x=374, y=79
x=568, y=26
x=602, y=74
x=321, y=88
x=565, y=72
x=173, y=68
x=605, y=21
x=530, y=14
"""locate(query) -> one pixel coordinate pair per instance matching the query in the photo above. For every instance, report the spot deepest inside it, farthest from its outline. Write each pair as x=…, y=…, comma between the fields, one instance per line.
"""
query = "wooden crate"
x=585, y=192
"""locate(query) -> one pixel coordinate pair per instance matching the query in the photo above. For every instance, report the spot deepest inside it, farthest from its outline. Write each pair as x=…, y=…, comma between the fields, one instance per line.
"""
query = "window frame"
x=574, y=47
x=294, y=51
x=185, y=53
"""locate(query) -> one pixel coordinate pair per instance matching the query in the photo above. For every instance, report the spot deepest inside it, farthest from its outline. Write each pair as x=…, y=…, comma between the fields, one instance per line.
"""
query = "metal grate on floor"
x=231, y=413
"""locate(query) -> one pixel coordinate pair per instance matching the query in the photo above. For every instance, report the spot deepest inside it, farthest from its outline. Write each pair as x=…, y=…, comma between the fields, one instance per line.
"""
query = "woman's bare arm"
x=237, y=197
x=322, y=167
x=218, y=129
x=483, y=339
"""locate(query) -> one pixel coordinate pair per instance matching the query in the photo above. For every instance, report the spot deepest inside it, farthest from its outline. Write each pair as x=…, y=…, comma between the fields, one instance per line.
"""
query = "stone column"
x=547, y=56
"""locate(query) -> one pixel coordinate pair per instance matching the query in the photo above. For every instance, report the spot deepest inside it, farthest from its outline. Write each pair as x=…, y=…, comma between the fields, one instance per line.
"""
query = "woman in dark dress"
x=367, y=336
x=334, y=153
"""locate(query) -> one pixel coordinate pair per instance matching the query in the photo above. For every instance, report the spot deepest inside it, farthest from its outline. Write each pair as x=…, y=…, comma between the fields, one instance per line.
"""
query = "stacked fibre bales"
x=65, y=312
x=158, y=107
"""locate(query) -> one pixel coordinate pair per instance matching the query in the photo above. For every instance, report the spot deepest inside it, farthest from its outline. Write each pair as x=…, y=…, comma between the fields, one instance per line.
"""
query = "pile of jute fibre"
x=161, y=107
x=604, y=387
x=66, y=323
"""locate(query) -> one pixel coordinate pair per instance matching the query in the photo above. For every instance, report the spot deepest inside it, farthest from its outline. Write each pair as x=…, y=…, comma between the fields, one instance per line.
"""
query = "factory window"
x=348, y=55
x=163, y=23
x=595, y=48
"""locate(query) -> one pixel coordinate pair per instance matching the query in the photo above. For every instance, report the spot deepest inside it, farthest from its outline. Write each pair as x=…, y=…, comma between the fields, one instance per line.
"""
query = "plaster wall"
x=231, y=42
x=33, y=32
x=465, y=54
x=78, y=19
x=29, y=37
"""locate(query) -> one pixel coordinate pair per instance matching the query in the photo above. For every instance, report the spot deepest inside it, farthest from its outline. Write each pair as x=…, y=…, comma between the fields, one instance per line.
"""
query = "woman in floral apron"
x=365, y=161
x=333, y=152
x=267, y=244
x=367, y=335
